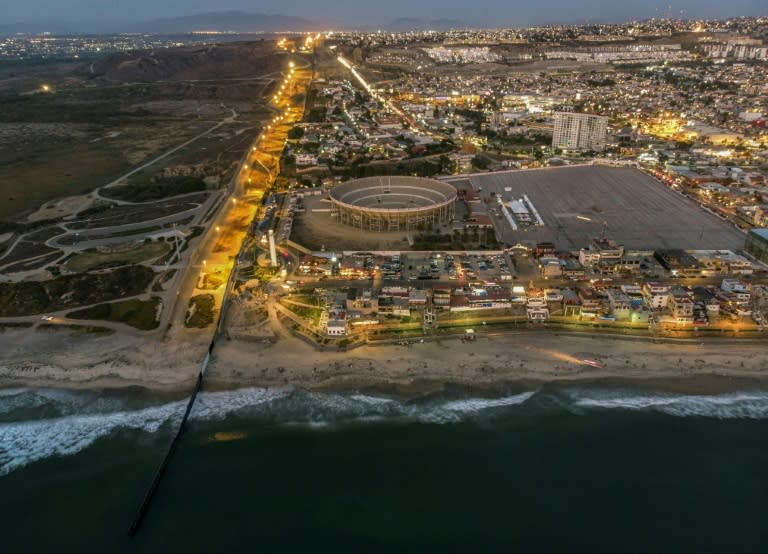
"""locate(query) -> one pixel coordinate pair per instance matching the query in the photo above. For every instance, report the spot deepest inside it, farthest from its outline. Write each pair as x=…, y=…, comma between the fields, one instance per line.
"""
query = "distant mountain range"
x=239, y=22
x=415, y=24
x=225, y=21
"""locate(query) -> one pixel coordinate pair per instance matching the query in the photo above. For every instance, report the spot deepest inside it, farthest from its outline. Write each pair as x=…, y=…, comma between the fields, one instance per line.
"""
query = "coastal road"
x=215, y=252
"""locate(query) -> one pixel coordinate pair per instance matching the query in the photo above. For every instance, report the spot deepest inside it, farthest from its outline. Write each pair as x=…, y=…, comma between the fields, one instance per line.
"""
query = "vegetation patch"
x=141, y=314
x=72, y=291
x=304, y=312
x=15, y=325
x=25, y=250
x=161, y=188
x=77, y=329
x=91, y=259
x=35, y=263
x=201, y=309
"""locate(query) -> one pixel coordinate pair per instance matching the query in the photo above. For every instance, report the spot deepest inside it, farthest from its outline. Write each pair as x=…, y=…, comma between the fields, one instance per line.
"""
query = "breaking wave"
x=36, y=424
x=24, y=442
x=740, y=405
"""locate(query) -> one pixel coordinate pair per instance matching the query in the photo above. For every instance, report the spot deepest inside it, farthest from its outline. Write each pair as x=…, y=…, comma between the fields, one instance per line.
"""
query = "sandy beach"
x=488, y=365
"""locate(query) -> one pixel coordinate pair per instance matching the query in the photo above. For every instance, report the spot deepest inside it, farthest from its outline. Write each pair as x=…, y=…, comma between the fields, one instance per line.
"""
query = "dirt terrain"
x=111, y=168
x=100, y=119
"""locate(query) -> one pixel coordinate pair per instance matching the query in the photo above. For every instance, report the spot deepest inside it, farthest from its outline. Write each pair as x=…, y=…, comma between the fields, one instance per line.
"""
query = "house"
x=417, y=298
x=591, y=302
x=656, y=295
x=441, y=295
x=602, y=252
x=621, y=304
x=337, y=323
x=306, y=159
x=362, y=301
x=549, y=266
x=681, y=305
x=679, y=263
x=571, y=302
x=735, y=285
x=537, y=313
x=572, y=269
x=355, y=267
x=394, y=300
x=316, y=265
x=544, y=249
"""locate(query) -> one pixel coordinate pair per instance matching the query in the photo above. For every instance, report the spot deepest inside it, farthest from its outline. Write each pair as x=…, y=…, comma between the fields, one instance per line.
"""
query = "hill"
x=216, y=61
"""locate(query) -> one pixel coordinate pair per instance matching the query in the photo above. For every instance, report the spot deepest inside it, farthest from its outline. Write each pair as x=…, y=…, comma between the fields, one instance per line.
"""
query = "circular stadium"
x=392, y=203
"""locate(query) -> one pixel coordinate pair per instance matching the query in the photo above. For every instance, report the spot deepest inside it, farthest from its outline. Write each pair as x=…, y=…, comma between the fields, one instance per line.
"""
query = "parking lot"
x=491, y=266
x=579, y=203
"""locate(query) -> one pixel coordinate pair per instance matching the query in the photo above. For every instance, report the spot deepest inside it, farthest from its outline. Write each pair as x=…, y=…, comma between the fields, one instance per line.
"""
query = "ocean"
x=577, y=469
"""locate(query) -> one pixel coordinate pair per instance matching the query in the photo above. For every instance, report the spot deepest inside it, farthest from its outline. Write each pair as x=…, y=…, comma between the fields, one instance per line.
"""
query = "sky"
x=484, y=12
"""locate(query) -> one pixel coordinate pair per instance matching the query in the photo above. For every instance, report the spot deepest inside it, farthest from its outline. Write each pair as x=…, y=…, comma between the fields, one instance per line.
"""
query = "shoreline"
x=489, y=366
x=711, y=384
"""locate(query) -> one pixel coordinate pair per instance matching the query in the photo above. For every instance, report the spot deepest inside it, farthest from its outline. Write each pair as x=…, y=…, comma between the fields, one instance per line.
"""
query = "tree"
x=296, y=133
x=481, y=162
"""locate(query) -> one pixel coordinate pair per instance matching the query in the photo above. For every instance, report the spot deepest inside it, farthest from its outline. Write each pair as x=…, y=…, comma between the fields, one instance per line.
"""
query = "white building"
x=656, y=295
x=306, y=159
x=579, y=131
x=336, y=325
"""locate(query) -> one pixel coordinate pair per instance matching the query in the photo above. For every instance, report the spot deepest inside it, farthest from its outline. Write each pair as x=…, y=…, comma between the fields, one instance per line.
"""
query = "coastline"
x=490, y=366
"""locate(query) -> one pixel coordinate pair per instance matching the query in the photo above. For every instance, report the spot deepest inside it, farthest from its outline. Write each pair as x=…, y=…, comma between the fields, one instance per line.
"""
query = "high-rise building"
x=579, y=131
x=757, y=244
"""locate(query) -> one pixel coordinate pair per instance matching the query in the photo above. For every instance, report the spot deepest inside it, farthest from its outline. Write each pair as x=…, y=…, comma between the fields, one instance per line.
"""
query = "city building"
x=579, y=131
x=757, y=244
x=681, y=305
x=656, y=295
x=336, y=325
x=362, y=301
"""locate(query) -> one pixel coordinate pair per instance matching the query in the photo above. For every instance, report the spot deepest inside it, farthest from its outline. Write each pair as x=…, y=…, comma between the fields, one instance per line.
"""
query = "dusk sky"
x=485, y=12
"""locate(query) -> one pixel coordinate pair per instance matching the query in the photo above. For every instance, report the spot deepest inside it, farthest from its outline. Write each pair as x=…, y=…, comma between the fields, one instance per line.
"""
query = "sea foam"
x=741, y=405
x=24, y=442
x=82, y=418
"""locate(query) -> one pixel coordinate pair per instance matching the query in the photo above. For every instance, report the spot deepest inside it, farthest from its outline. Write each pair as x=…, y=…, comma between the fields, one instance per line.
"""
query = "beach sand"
x=489, y=365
